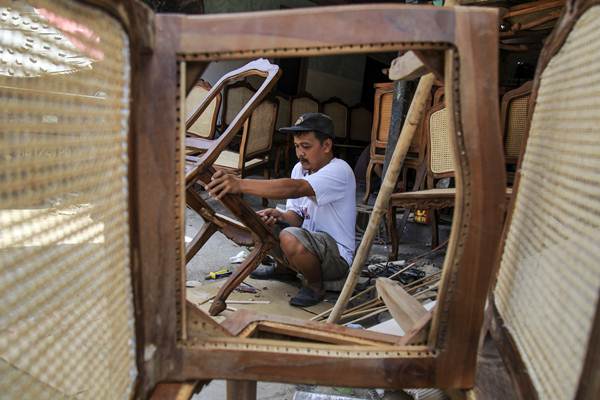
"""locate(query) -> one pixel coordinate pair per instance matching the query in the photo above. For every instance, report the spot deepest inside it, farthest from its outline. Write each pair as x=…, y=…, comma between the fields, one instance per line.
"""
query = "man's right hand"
x=270, y=215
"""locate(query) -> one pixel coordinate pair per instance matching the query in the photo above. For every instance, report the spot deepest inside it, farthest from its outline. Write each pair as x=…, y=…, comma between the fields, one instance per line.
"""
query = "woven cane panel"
x=385, y=116
x=202, y=127
x=66, y=312
x=339, y=115
x=262, y=124
x=442, y=160
x=237, y=98
x=303, y=105
x=516, y=125
x=549, y=278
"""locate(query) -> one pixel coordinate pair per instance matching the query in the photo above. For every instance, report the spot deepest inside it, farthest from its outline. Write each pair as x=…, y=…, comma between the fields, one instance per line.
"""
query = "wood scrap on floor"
x=269, y=297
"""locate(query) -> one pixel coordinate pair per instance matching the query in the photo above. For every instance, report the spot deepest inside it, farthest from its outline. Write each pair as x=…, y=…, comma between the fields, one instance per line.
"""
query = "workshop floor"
x=272, y=296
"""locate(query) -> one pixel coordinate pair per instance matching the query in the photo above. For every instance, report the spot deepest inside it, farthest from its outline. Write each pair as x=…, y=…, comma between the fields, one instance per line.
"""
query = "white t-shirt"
x=333, y=208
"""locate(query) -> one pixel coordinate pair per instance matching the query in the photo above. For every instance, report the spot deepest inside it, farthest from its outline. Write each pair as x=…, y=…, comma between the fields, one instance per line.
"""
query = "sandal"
x=307, y=297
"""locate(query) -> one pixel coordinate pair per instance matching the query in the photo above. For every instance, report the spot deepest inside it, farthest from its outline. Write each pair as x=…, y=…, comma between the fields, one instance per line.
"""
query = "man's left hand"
x=223, y=183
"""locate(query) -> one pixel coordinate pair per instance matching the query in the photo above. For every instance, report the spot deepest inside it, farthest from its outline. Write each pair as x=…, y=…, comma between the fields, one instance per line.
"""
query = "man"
x=320, y=210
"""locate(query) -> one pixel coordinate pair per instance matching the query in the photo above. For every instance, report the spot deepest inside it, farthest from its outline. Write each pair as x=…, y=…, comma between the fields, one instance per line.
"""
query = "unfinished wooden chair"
x=201, y=125
x=514, y=117
x=338, y=111
x=108, y=276
x=258, y=119
x=382, y=118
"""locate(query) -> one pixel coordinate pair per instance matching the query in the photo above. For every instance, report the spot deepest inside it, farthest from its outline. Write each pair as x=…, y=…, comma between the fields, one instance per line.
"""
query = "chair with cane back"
x=338, y=112
x=514, y=116
x=545, y=305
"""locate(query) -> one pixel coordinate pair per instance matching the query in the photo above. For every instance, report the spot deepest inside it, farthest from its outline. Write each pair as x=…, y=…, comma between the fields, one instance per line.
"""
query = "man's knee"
x=290, y=244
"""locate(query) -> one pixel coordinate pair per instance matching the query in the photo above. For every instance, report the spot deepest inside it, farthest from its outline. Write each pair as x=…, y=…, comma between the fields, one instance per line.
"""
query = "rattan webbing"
x=549, y=278
x=516, y=125
x=66, y=311
x=385, y=116
x=441, y=149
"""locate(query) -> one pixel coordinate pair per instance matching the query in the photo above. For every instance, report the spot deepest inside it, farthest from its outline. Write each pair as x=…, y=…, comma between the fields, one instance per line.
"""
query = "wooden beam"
x=407, y=67
x=405, y=309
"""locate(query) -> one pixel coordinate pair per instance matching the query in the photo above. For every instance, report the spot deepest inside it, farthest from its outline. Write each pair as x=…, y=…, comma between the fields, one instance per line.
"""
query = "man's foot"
x=272, y=272
x=307, y=297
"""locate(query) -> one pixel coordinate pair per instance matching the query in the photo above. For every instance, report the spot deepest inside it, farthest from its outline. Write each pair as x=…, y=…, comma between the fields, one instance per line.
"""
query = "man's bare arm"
x=223, y=183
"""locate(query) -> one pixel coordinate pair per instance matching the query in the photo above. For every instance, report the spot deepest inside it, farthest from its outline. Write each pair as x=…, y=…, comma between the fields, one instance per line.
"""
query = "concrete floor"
x=219, y=249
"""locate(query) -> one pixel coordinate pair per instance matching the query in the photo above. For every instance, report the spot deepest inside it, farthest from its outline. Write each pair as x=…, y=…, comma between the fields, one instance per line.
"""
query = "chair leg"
x=250, y=263
x=241, y=390
x=368, y=181
x=391, y=227
x=267, y=176
x=434, y=215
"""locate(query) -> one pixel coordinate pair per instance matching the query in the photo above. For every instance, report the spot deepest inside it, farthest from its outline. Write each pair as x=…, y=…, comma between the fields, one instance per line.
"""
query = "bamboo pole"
x=415, y=112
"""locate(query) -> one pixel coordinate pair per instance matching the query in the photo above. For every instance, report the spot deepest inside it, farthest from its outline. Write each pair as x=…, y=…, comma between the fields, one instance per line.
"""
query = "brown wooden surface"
x=176, y=390
x=480, y=181
x=241, y=390
x=240, y=321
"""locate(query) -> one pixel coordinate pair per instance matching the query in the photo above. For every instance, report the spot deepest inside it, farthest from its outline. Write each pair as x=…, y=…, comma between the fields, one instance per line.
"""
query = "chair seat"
x=231, y=160
x=430, y=198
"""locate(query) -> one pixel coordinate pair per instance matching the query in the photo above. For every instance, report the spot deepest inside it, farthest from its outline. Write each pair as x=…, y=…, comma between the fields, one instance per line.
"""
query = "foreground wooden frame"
x=465, y=38
x=448, y=358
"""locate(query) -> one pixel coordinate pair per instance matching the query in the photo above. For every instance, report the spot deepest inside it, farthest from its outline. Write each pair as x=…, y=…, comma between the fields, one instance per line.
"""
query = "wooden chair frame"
x=178, y=50
x=252, y=230
x=589, y=381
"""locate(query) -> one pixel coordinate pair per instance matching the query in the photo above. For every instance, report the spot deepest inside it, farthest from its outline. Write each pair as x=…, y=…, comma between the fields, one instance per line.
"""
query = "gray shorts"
x=321, y=244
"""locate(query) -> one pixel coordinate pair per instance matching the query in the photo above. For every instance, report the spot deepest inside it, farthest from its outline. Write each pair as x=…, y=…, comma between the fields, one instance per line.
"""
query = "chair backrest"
x=236, y=96
x=382, y=118
x=204, y=124
x=441, y=155
x=302, y=104
x=514, y=116
x=361, y=120
x=338, y=111
x=547, y=294
x=258, y=132
x=283, y=112
x=67, y=321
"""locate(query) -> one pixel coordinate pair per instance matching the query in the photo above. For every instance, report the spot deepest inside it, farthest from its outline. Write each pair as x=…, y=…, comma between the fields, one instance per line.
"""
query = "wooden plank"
x=407, y=67
x=403, y=307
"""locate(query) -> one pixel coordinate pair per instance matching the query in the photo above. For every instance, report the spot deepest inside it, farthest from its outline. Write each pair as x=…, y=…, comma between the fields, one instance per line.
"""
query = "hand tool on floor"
x=218, y=274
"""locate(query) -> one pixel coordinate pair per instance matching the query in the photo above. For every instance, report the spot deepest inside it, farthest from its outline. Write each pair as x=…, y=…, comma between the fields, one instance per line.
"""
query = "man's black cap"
x=312, y=122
